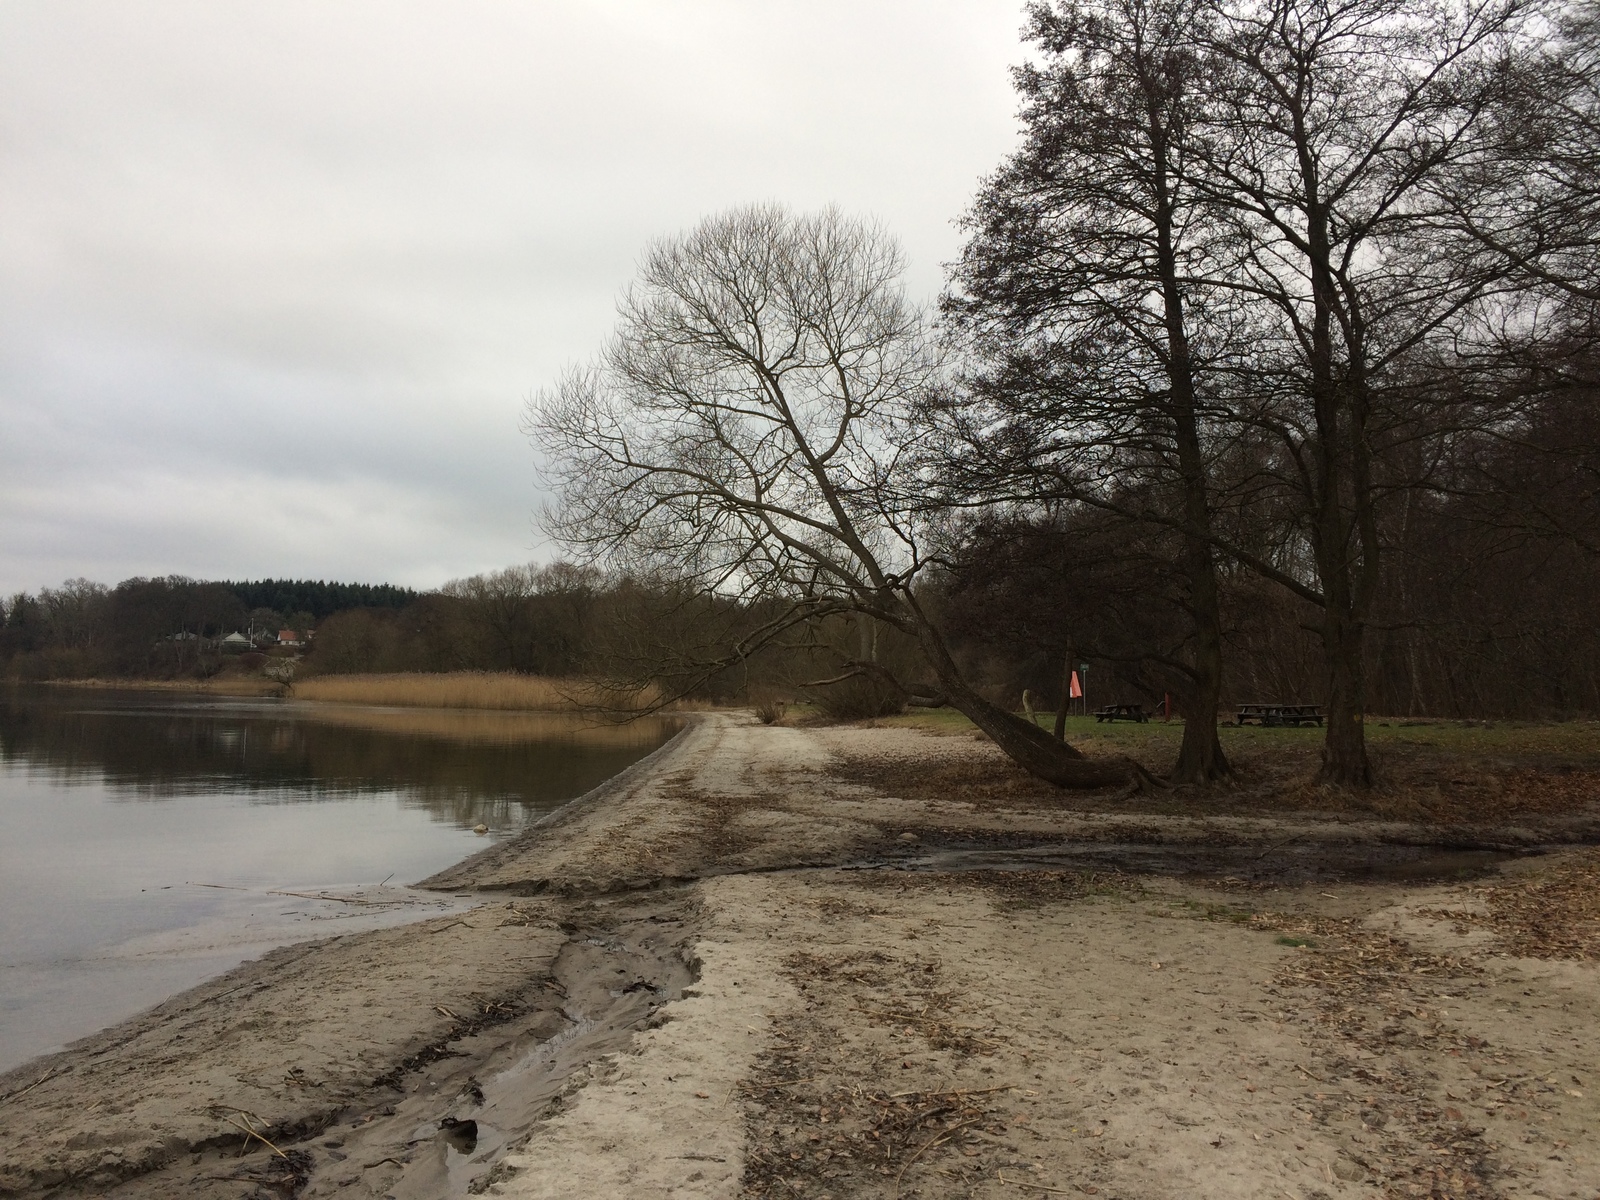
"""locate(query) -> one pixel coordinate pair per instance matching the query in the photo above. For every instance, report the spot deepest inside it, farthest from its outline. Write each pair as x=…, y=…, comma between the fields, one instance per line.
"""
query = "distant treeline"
x=1015, y=598
x=160, y=628
x=317, y=597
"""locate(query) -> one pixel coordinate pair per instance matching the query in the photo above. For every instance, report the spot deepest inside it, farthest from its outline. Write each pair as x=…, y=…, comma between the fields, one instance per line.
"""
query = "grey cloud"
x=275, y=279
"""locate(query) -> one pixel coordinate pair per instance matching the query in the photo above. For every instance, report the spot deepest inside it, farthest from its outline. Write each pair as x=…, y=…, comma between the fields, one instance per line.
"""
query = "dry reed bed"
x=475, y=689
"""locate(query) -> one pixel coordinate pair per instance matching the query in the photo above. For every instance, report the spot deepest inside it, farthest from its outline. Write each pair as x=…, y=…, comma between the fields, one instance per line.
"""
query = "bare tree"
x=1087, y=259
x=746, y=429
x=1328, y=126
x=1531, y=193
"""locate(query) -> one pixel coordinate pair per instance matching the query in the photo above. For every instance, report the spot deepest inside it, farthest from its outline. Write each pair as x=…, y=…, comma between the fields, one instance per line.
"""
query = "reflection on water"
x=464, y=767
x=141, y=832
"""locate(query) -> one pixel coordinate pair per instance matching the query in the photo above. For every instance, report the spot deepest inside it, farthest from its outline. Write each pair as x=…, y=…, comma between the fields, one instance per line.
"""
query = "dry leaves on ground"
x=816, y=1131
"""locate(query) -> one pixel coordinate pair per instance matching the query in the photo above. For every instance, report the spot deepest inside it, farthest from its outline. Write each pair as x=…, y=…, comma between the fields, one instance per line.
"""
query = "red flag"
x=1076, y=690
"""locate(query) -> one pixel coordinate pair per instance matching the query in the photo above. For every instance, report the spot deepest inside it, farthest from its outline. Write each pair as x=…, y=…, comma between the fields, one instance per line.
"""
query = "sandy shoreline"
x=737, y=970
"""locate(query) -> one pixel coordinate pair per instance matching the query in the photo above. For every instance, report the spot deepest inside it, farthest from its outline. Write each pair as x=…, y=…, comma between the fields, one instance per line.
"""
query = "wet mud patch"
x=454, y=1117
x=436, y=1119
x=1285, y=863
x=1007, y=889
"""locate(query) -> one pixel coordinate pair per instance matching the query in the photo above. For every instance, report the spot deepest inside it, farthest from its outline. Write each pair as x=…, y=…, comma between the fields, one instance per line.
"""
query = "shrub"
x=859, y=698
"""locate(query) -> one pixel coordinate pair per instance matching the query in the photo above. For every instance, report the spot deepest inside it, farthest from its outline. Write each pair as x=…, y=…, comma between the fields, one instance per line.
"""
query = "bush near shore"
x=501, y=690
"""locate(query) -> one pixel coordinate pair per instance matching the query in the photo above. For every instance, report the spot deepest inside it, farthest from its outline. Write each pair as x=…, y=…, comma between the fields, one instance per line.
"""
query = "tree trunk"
x=1066, y=697
x=1344, y=751
x=1201, y=757
x=1030, y=747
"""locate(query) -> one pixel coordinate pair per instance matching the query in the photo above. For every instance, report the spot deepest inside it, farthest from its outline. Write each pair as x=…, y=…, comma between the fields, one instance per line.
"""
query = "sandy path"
x=1139, y=1041
x=673, y=990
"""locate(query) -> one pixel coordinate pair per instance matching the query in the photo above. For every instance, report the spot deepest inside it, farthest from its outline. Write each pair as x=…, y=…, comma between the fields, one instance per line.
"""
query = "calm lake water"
x=149, y=841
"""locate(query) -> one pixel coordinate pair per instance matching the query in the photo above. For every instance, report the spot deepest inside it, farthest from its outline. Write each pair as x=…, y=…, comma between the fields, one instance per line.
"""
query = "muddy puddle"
x=455, y=1118
x=1287, y=863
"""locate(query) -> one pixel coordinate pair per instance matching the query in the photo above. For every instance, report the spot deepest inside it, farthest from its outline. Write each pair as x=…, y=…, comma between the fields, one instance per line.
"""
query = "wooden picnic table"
x=1279, y=714
x=1122, y=712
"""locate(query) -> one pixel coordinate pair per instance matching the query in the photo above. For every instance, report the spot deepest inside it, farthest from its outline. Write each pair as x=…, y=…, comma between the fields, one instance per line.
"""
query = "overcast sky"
x=277, y=278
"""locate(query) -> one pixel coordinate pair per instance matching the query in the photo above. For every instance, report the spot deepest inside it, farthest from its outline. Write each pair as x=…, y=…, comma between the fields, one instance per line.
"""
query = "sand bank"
x=739, y=970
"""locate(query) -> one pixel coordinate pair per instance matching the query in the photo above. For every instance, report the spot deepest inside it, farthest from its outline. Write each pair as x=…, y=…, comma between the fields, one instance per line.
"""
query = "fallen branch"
x=51, y=1074
x=1004, y=1087
x=1038, y=1187
x=228, y=887
x=244, y=1128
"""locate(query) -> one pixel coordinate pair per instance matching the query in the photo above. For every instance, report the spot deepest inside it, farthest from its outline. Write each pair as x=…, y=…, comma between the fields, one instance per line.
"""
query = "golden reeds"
x=475, y=689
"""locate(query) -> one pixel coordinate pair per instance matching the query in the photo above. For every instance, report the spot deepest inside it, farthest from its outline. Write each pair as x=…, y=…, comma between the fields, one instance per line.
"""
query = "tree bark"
x=1200, y=757
x=1344, y=749
x=1066, y=697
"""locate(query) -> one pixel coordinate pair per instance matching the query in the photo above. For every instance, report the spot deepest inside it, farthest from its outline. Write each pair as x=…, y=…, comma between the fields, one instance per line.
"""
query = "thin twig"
x=51, y=1074
x=335, y=899
x=942, y=1136
x=245, y=1129
x=1038, y=1187
x=228, y=887
x=1004, y=1087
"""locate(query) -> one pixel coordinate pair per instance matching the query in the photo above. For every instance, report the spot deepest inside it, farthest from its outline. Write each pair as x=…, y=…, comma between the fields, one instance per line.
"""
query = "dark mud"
x=437, y=1123
x=1287, y=864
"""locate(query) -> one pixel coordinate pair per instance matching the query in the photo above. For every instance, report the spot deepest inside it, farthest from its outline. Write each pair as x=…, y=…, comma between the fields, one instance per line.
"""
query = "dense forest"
x=318, y=598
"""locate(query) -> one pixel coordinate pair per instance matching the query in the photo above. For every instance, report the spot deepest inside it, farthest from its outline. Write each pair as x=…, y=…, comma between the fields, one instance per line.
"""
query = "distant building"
x=290, y=637
x=236, y=642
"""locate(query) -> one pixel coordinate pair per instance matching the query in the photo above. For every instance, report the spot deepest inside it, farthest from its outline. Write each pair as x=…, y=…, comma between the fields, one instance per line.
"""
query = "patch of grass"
x=1286, y=940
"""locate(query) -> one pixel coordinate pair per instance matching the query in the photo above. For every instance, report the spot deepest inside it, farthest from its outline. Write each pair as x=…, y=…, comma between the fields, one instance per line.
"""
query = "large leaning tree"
x=745, y=430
